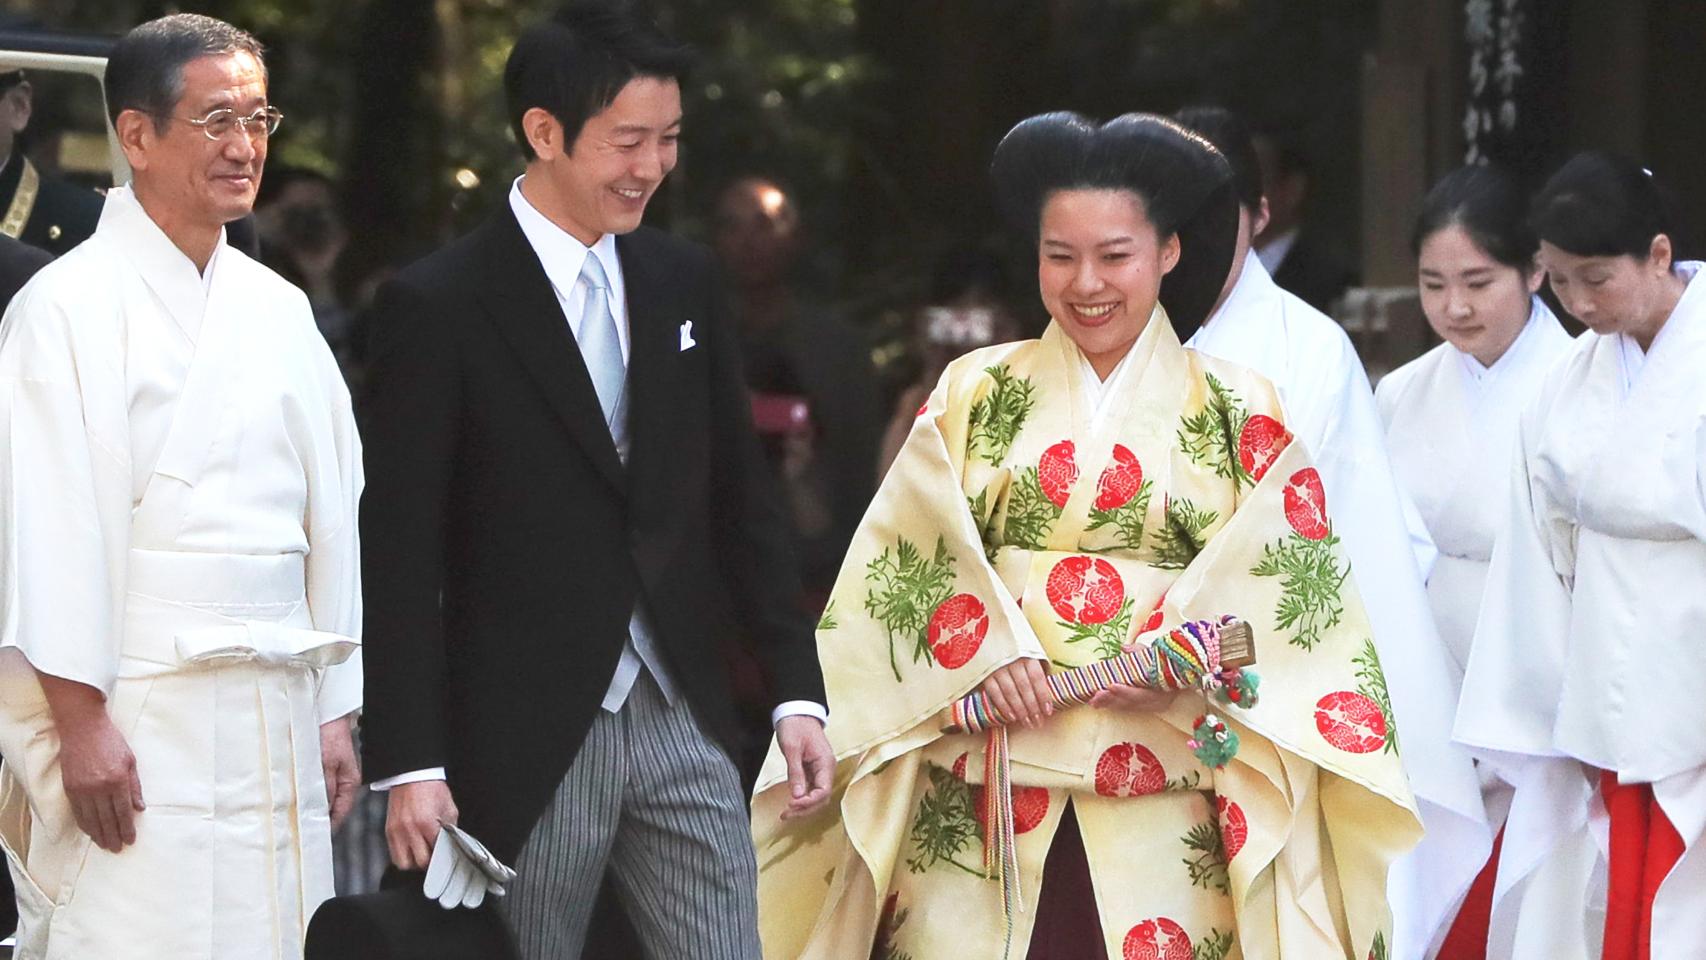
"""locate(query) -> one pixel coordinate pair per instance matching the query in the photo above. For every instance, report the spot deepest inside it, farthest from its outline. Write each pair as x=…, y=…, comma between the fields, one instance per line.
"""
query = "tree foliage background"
x=881, y=114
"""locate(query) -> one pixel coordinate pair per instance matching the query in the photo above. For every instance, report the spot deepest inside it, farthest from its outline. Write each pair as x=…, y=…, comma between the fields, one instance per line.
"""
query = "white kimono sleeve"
x=1515, y=675
x=59, y=589
x=334, y=559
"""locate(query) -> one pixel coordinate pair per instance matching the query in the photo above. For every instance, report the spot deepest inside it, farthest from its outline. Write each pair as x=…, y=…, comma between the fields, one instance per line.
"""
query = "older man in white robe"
x=179, y=586
x=1331, y=409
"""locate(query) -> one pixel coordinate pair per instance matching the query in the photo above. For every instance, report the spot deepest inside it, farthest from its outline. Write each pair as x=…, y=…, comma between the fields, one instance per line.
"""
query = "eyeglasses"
x=219, y=124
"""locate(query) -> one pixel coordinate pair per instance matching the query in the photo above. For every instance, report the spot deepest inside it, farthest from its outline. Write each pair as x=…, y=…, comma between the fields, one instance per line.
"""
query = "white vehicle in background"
x=68, y=135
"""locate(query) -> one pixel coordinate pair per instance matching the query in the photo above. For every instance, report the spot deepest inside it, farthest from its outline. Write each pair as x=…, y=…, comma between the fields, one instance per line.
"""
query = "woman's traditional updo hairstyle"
x=1491, y=207
x=1601, y=205
x=1184, y=183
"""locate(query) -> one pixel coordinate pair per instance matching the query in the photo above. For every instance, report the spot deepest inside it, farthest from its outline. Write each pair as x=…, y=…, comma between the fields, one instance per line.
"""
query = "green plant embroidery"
x=946, y=823
x=1126, y=521
x=1378, y=950
x=1309, y=603
x=1030, y=513
x=1215, y=946
x=1210, y=437
x=827, y=621
x=1109, y=636
x=1373, y=686
x=1208, y=868
x=1181, y=538
x=995, y=420
x=889, y=923
x=905, y=590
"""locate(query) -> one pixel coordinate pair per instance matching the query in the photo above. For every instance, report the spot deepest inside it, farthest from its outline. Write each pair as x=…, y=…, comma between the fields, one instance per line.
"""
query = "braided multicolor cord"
x=1187, y=657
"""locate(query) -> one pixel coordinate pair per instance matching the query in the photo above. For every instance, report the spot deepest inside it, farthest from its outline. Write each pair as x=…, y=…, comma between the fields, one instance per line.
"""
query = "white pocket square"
x=687, y=341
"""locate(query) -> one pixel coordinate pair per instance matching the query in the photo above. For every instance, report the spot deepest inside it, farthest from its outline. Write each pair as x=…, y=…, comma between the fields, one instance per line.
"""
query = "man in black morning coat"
x=566, y=512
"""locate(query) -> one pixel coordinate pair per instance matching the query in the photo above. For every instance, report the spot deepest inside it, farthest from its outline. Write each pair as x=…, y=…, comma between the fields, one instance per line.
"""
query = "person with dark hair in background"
x=1451, y=417
x=1061, y=502
x=181, y=605
x=814, y=391
x=40, y=210
x=302, y=236
x=1299, y=259
x=18, y=263
x=568, y=516
x=966, y=310
x=1582, y=682
x=1321, y=381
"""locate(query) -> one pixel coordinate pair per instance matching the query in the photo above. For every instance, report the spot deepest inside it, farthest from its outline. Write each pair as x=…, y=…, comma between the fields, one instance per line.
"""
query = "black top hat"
x=402, y=924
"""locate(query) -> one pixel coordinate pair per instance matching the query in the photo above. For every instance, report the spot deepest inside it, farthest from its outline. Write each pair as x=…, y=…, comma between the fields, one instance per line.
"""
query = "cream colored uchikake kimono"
x=1591, y=640
x=178, y=529
x=1016, y=522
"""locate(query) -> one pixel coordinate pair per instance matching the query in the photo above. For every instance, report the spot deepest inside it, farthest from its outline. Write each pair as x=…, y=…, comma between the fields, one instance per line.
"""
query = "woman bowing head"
x=1086, y=508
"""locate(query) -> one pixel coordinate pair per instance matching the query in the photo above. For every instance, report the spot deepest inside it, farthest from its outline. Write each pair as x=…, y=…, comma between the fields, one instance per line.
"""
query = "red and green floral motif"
x=1378, y=950
x=889, y=923
x=1234, y=827
x=1183, y=534
x=1159, y=939
x=1030, y=804
x=1308, y=564
x=1215, y=946
x=945, y=830
x=1211, y=436
x=957, y=629
x=1207, y=863
x=1351, y=722
x=995, y=420
x=906, y=591
x=1260, y=444
x=1155, y=616
x=1122, y=499
x=1129, y=770
x=1030, y=512
x=1089, y=596
x=1373, y=686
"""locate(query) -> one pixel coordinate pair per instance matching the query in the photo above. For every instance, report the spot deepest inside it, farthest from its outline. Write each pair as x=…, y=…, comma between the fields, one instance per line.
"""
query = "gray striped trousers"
x=653, y=798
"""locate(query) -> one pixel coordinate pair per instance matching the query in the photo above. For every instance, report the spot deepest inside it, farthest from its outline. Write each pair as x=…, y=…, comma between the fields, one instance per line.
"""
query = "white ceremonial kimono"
x=1451, y=430
x=1591, y=642
x=177, y=529
x=1331, y=409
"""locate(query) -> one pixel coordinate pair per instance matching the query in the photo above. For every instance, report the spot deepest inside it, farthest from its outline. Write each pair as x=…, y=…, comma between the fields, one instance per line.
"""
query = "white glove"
x=462, y=871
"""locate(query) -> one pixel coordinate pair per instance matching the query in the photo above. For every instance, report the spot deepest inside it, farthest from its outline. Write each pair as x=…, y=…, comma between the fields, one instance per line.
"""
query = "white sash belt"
x=210, y=608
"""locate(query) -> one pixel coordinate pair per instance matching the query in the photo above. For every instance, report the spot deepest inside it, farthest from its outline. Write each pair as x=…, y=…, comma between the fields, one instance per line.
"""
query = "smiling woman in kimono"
x=1583, y=683
x=1451, y=415
x=1057, y=500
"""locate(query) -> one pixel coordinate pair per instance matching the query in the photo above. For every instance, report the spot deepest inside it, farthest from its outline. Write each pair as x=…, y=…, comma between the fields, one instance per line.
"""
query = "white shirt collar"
x=563, y=256
x=1273, y=252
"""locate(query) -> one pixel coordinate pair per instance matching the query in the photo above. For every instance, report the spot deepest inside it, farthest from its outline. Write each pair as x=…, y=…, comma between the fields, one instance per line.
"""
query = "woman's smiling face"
x=1099, y=269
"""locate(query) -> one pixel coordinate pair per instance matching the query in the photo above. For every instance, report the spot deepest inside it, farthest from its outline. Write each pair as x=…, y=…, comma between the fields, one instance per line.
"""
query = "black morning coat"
x=504, y=543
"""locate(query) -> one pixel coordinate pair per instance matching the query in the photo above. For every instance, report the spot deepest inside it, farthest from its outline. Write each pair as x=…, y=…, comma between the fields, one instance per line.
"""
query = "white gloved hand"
x=462, y=871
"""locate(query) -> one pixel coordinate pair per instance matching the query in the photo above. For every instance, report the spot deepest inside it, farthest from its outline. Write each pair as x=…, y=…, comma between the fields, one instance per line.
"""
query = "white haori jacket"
x=1331, y=408
x=177, y=529
x=1589, y=646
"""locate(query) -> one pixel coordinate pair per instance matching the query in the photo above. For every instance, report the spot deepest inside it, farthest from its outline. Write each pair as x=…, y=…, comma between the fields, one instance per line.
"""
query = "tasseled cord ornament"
x=1208, y=655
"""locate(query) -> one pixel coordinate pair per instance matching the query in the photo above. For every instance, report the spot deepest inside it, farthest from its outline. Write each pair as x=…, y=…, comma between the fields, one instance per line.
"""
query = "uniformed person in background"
x=38, y=209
